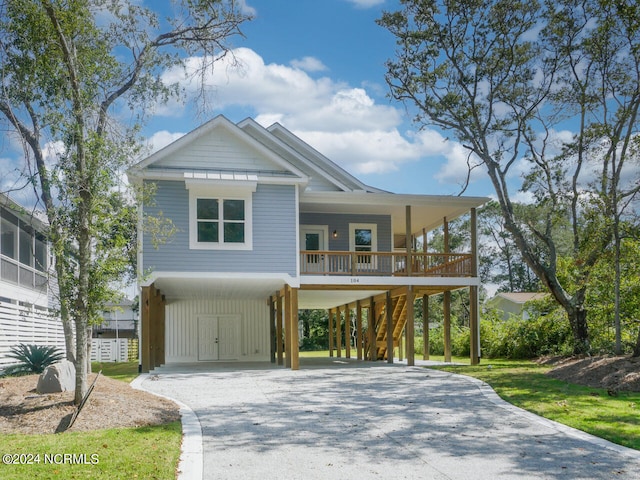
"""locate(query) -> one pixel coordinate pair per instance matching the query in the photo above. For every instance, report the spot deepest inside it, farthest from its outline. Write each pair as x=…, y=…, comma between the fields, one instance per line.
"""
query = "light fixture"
x=335, y=234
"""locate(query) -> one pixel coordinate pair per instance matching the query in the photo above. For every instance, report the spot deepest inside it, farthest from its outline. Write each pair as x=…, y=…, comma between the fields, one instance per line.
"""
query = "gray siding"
x=274, y=235
x=340, y=222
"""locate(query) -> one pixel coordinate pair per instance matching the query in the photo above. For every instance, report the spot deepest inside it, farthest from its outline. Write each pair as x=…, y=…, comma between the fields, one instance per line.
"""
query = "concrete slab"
x=354, y=420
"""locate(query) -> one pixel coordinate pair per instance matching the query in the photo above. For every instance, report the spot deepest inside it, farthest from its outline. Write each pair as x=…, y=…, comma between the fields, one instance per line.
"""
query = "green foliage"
x=33, y=358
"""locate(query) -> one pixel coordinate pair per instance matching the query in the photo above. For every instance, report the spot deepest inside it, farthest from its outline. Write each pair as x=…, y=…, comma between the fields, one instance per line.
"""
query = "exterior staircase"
x=399, y=305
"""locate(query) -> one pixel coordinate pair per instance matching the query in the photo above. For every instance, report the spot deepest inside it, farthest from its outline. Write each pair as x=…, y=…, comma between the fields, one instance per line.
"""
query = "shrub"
x=33, y=358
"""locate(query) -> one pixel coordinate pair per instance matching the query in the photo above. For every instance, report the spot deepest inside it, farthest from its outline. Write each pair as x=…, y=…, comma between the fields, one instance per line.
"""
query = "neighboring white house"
x=513, y=303
x=120, y=320
x=28, y=290
x=266, y=225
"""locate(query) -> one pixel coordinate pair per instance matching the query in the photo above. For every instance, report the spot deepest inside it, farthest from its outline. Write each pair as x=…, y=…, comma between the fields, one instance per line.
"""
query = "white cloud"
x=309, y=64
x=366, y=3
x=161, y=139
x=341, y=121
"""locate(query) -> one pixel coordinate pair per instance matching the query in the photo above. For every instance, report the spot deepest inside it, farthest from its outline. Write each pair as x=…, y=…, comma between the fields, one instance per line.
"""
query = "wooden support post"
x=401, y=343
x=425, y=326
x=424, y=250
x=474, y=319
x=338, y=333
x=347, y=331
x=373, y=349
x=359, y=329
x=287, y=326
x=446, y=308
x=389, y=318
x=474, y=330
x=279, y=344
x=331, y=332
x=145, y=334
x=410, y=328
x=272, y=329
x=295, y=337
x=407, y=240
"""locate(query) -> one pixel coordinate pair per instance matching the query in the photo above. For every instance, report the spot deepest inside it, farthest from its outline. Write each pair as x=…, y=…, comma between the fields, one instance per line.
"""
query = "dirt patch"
x=616, y=374
x=112, y=404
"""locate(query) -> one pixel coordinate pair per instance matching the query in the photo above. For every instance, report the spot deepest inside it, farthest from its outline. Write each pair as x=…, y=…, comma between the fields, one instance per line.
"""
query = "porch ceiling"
x=427, y=211
x=325, y=299
x=220, y=287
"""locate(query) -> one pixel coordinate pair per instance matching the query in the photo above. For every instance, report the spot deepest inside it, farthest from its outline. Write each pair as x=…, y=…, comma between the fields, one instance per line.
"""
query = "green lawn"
x=524, y=384
x=121, y=453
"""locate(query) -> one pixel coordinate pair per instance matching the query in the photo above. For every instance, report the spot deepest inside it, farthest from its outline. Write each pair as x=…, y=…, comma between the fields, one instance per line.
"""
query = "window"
x=213, y=212
x=220, y=222
x=364, y=238
x=9, y=239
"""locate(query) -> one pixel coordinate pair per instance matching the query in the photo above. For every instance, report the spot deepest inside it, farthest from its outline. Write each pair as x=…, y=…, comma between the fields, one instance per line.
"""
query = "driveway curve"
x=358, y=420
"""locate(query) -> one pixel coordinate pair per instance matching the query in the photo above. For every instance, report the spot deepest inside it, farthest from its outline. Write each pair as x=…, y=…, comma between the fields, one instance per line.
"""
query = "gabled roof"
x=171, y=162
x=319, y=160
x=519, y=297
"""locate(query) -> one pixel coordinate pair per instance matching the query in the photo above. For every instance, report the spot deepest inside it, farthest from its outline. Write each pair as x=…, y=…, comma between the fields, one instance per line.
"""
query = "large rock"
x=59, y=377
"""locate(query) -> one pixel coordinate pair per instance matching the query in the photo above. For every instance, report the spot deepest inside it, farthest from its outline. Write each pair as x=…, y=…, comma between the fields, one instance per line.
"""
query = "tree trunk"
x=81, y=361
x=578, y=322
x=636, y=350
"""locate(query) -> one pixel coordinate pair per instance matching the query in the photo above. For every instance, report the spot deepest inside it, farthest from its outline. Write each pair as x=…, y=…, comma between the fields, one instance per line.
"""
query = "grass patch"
x=524, y=384
x=124, y=453
x=124, y=371
x=144, y=452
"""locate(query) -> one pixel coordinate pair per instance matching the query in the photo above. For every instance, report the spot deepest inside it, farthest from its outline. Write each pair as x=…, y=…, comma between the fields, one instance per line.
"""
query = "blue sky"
x=317, y=67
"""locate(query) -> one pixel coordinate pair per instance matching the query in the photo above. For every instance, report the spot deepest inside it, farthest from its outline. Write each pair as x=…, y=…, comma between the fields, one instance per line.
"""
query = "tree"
x=71, y=71
x=508, y=79
x=500, y=259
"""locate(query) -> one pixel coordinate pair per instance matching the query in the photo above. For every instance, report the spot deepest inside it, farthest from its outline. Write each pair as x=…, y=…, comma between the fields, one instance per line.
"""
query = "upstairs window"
x=220, y=222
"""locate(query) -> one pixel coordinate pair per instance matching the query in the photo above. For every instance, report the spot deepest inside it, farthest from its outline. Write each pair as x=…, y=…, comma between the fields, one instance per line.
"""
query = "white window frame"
x=221, y=193
x=363, y=226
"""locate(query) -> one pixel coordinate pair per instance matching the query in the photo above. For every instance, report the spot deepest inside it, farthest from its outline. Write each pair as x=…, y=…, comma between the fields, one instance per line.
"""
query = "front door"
x=218, y=337
x=313, y=238
x=208, y=338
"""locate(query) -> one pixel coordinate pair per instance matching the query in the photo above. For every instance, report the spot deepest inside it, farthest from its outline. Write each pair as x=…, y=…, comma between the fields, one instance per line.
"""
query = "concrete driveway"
x=358, y=420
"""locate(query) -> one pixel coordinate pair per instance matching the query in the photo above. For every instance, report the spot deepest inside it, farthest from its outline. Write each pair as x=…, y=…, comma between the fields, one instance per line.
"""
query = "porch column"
x=373, y=347
x=409, y=329
x=287, y=326
x=330, y=332
x=145, y=334
x=425, y=326
x=446, y=310
x=389, y=318
x=424, y=250
x=338, y=333
x=474, y=321
x=359, y=329
x=347, y=331
x=407, y=240
x=294, y=348
x=279, y=344
x=272, y=329
x=446, y=305
x=152, y=328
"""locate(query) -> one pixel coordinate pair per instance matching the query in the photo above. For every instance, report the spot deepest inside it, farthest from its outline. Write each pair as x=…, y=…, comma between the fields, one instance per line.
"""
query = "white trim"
x=220, y=192
x=158, y=275
x=380, y=283
x=363, y=226
x=297, y=217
